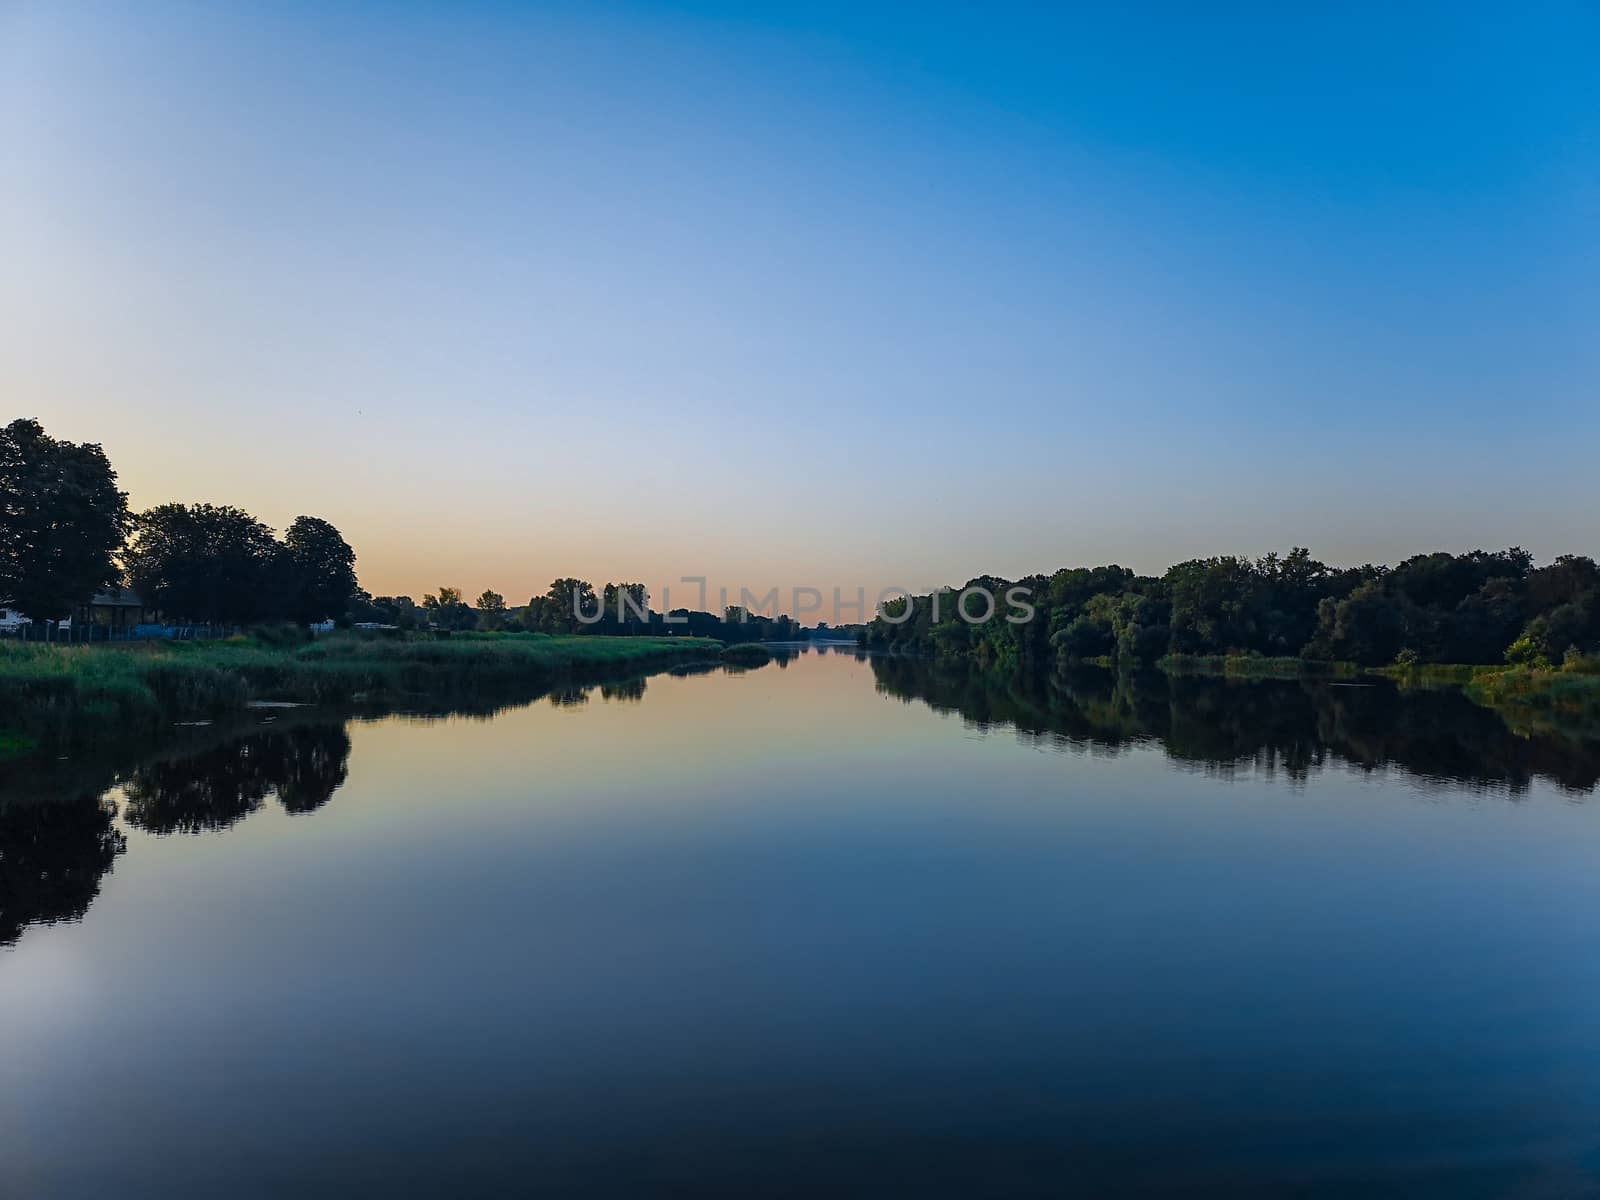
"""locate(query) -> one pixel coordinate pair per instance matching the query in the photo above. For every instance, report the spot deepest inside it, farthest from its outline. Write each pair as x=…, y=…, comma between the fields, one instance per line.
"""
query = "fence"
x=79, y=634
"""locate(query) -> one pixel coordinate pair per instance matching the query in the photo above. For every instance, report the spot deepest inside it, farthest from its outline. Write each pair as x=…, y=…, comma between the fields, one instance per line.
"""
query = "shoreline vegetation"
x=1568, y=696
x=1479, y=608
x=1565, y=698
x=55, y=698
x=1514, y=636
x=1224, y=723
x=746, y=654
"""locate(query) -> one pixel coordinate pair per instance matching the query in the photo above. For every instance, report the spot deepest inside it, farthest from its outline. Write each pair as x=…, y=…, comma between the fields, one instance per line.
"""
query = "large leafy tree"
x=62, y=520
x=321, y=570
x=206, y=562
x=625, y=602
x=491, y=610
x=563, y=601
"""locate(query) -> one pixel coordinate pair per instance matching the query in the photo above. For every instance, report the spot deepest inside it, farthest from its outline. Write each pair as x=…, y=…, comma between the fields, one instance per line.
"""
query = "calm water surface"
x=839, y=927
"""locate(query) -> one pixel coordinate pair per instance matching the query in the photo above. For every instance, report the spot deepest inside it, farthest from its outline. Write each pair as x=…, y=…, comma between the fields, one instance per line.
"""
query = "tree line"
x=1479, y=607
x=572, y=606
x=66, y=533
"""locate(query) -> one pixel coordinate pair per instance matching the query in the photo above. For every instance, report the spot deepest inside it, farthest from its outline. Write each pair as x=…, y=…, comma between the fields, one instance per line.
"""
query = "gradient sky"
x=815, y=295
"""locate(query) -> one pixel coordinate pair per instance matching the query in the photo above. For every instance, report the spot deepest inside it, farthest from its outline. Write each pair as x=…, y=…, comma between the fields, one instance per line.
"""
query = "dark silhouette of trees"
x=445, y=609
x=205, y=563
x=1294, y=726
x=208, y=791
x=320, y=570
x=62, y=521
x=491, y=610
x=626, y=608
x=563, y=600
x=313, y=761
x=53, y=855
x=1479, y=607
x=52, y=858
x=628, y=690
x=219, y=787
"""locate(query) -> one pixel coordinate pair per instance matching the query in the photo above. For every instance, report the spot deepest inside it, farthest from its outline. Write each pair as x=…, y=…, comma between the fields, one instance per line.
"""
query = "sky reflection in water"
x=835, y=926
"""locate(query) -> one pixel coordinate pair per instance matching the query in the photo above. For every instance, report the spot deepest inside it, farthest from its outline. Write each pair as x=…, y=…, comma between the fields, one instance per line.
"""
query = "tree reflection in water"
x=57, y=832
x=303, y=766
x=55, y=846
x=629, y=691
x=1297, y=727
x=58, y=837
x=52, y=858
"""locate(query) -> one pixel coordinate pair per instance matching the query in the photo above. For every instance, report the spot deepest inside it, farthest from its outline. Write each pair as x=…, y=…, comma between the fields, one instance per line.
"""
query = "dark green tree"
x=321, y=570
x=445, y=609
x=491, y=609
x=533, y=615
x=563, y=601
x=624, y=602
x=206, y=562
x=62, y=521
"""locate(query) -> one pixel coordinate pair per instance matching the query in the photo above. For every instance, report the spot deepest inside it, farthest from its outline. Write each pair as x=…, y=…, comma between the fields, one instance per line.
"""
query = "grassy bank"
x=1534, y=700
x=56, y=695
x=747, y=654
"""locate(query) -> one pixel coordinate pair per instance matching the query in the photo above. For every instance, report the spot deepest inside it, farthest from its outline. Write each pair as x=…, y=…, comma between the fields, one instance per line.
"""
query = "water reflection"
x=783, y=933
x=1295, y=727
x=58, y=834
x=627, y=690
x=212, y=790
x=52, y=858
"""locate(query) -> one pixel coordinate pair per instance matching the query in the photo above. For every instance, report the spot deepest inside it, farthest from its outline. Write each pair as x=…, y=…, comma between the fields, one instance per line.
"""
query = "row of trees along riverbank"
x=1482, y=607
x=616, y=609
x=67, y=533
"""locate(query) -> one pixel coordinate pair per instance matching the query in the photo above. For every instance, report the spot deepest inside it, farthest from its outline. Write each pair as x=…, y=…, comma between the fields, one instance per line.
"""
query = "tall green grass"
x=747, y=654
x=1567, y=697
x=57, y=694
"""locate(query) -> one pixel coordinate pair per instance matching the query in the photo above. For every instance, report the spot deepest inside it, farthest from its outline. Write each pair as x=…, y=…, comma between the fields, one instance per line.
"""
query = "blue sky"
x=824, y=295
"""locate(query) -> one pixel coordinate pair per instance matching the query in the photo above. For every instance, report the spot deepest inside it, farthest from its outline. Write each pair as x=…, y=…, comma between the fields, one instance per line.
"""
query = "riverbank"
x=1244, y=666
x=1530, y=697
x=52, y=696
x=746, y=654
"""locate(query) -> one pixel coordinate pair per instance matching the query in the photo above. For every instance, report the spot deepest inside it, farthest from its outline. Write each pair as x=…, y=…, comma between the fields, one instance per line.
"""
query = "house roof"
x=117, y=598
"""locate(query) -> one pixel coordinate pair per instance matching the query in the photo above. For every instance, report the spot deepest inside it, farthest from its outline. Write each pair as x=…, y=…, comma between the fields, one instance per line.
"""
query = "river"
x=835, y=926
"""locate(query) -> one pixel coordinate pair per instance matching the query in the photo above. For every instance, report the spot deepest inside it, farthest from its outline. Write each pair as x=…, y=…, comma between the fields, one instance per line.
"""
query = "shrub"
x=1525, y=652
x=1579, y=663
x=747, y=654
